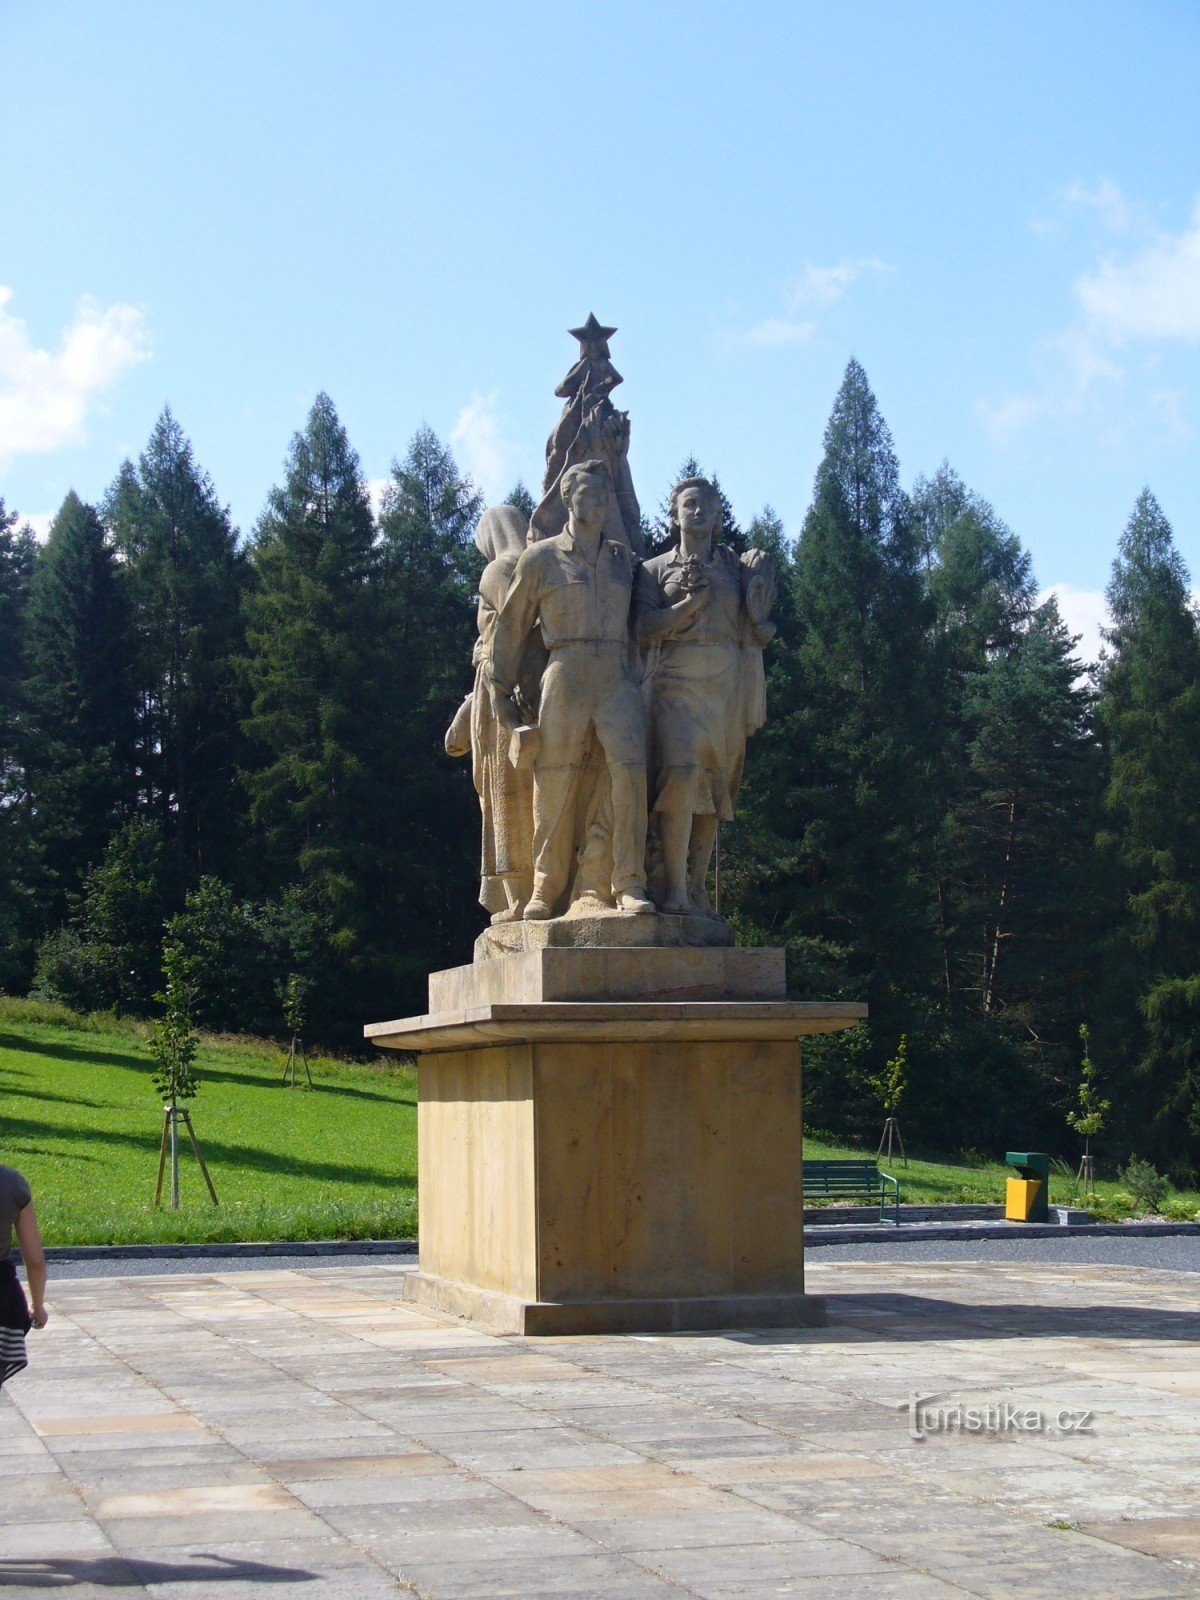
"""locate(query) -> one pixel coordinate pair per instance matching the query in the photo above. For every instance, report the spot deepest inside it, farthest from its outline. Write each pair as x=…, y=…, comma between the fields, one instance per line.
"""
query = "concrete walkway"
x=254, y=1433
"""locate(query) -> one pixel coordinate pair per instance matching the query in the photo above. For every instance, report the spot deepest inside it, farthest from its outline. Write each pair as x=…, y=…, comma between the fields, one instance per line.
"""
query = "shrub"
x=226, y=960
x=73, y=971
x=107, y=954
x=1145, y=1183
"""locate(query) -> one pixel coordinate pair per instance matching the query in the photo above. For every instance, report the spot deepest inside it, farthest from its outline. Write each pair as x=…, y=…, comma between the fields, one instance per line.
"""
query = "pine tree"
x=80, y=723
x=766, y=532
x=520, y=497
x=18, y=876
x=430, y=572
x=840, y=792
x=185, y=578
x=18, y=551
x=980, y=576
x=313, y=669
x=1149, y=718
x=1014, y=869
x=1025, y=813
x=981, y=583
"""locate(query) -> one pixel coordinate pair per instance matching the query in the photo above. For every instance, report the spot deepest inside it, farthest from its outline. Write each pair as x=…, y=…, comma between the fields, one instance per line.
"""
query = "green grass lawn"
x=982, y=1183
x=79, y=1116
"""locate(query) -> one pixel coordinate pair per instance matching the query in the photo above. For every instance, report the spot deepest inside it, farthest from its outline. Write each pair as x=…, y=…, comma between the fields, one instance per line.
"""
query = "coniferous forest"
x=237, y=744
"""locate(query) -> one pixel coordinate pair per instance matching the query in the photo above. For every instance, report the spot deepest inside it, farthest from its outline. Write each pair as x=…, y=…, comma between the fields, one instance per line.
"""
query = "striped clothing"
x=12, y=1353
x=14, y=1312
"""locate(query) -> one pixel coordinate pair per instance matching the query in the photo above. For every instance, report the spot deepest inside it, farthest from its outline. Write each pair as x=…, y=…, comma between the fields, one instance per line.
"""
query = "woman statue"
x=505, y=791
x=702, y=617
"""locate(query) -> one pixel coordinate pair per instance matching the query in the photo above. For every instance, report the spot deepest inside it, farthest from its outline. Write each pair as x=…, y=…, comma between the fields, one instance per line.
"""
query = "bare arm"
x=30, y=1239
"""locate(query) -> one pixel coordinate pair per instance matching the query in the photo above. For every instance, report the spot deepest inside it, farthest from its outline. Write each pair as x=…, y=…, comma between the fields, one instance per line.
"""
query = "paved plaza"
x=299, y=1432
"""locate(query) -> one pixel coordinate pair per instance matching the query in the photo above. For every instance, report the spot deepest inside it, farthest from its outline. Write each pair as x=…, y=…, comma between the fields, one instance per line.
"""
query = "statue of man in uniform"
x=577, y=586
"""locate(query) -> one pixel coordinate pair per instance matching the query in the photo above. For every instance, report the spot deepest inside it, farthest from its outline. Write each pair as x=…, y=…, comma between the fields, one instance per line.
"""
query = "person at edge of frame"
x=16, y=1315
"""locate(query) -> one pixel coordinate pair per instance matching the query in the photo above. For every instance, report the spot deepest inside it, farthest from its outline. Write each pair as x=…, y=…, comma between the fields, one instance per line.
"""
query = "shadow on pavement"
x=128, y=1572
x=919, y=1318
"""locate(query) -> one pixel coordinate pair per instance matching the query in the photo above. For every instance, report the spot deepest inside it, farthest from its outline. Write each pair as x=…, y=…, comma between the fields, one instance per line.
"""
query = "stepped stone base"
x=610, y=1135
x=603, y=928
x=611, y=974
x=506, y=1313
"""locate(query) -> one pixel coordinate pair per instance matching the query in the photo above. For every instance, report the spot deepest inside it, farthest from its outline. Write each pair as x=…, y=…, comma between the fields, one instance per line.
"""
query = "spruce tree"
x=1014, y=859
x=1025, y=812
x=184, y=578
x=18, y=551
x=520, y=497
x=979, y=575
x=78, y=692
x=18, y=875
x=1149, y=719
x=430, y=571
x=841, y=791
x=980, y=581
x=314, y=667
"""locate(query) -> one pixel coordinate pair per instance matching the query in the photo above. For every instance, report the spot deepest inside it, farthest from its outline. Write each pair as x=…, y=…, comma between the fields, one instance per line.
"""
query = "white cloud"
x=40, y=522
x=1085, y=612
x=1154, y=295
x=46, y=396
x=479, y=445
x=825, y=286
x=376, y=488
x=816, y=289
x=1005, y=420
x=1167, y=405
x=1128, y=308
x=1105, y=198
x=778, y=331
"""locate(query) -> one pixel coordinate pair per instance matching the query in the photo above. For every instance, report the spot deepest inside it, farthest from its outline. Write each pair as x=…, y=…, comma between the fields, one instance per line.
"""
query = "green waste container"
x=1028, y=1197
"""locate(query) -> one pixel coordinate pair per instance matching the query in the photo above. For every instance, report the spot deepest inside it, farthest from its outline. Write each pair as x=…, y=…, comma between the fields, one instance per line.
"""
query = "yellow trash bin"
x=1020, y=1198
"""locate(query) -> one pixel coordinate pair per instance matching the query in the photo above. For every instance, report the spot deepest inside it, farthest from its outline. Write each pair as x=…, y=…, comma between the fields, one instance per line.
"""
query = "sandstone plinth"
x=659, y=973
x=605, y=1165
x=652, y=930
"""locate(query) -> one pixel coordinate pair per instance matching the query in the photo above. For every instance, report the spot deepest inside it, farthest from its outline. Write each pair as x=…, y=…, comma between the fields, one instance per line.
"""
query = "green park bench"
x=851, y=1179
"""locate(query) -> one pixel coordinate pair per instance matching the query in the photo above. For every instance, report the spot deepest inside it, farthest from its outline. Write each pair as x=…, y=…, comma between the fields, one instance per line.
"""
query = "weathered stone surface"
x=604, y=930
x=611, y=973
x=588, y=749
x=702, y=621
x=601, y=1021
x=508, y=1314
x=598, y=674
x=566, y=1171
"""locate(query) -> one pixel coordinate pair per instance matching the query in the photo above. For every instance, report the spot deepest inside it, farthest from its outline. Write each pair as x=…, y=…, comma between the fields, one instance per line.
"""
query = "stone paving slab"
x=286, y=1431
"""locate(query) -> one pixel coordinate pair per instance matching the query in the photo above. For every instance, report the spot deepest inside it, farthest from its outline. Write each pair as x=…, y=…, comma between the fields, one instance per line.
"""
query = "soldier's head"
x=585, y=489
x=696, y=506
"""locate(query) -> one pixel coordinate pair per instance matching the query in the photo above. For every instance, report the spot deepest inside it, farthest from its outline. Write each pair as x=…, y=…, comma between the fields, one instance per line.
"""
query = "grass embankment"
x=79, y=1116
x=981, y=1182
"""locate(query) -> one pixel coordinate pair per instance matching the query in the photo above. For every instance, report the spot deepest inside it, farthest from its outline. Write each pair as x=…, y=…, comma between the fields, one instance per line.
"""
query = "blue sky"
x=996, y=209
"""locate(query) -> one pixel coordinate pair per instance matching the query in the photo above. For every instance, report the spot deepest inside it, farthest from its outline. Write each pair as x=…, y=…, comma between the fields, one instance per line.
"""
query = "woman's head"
x=696, y=505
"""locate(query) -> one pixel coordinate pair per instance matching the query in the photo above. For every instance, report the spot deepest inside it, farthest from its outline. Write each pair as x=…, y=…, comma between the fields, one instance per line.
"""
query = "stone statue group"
x=613, y=695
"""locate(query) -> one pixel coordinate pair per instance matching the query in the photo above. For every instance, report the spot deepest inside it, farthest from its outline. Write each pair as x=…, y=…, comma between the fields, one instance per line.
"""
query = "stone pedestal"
x=599, y=928
x=596, y=1165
